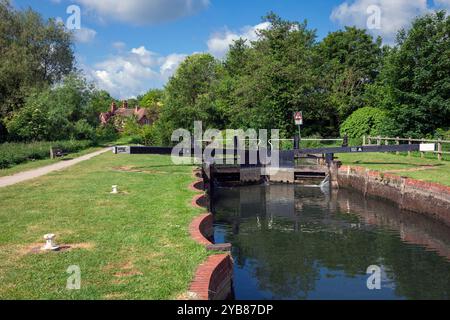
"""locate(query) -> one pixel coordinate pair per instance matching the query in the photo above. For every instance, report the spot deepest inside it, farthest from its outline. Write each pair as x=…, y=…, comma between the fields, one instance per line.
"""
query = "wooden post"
x=364, y=140
x=409, y=142
x=386, y=142
x=52, y=156
x=345, y=141
x=370, y=140
x=422, y=154
x=379, y=141
x=296, y=142
x=397, y=142
x=440, y=150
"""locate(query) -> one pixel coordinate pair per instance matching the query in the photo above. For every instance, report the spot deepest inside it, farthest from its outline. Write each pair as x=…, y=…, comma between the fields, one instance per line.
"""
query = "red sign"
x=298, y=117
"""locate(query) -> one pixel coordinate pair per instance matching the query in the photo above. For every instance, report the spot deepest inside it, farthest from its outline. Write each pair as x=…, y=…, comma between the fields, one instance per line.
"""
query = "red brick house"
x=142, y=115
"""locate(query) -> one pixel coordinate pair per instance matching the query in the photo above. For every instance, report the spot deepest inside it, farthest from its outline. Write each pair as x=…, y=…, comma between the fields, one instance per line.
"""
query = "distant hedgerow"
x=16, y=153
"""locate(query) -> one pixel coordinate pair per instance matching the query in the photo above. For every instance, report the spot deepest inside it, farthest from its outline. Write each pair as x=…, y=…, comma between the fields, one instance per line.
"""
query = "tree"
x=32, y=122
x=33, y=54
x=418, y=75
x=237, y=57
x=273, y=77
x=100, y=101
x=55, y=113
x=153, y=102
x=367, y=121
x=262, y=82
x=152, y=98
x=350, y=60
x=189, y=93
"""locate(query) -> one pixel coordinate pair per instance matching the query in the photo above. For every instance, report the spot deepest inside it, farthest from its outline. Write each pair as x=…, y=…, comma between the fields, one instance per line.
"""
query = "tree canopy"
x=261, y=83
x=33, y=54
x=417, y=75
x=346, y=79
x=65, y=111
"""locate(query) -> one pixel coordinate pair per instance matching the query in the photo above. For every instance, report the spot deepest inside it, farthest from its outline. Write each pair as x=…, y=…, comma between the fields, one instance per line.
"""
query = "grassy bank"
x=134, y=245
x=12, y=154
x=29, y=165
x=417, y=168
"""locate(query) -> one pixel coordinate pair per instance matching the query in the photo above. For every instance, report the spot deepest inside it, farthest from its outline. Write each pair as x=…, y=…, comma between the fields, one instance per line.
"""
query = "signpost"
x=298, y=118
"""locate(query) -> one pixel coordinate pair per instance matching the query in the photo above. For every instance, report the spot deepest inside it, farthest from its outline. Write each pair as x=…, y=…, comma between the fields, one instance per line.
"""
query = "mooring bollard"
x=49, y=244
x=114, y=190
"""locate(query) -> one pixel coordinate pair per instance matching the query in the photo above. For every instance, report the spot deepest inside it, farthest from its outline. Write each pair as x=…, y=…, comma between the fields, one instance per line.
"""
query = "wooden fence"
x=387, y=141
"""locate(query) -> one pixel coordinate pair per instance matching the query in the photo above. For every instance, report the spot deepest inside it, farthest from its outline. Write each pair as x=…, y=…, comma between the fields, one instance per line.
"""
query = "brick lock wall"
x=213, y=279
x=427, y=198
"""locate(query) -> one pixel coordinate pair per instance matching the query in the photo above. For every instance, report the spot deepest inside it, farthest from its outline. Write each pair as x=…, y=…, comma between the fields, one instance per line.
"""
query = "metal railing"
x=367, y=141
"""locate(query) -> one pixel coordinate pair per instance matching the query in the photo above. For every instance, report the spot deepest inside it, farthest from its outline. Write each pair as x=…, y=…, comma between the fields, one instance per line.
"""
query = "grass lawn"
x=430, y=170
x=44, y=162
x=134, y=245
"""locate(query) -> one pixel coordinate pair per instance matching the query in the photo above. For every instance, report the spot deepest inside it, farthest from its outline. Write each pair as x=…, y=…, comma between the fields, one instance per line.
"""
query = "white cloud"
x=219, y=43
x=134, y=72
x=84, y=35
x=170, y=64
x=395, y=14
x=144, y=11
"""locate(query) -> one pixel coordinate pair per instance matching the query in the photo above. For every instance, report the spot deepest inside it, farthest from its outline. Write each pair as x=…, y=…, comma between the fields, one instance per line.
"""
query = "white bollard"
x=114, y=190
x=49, y=244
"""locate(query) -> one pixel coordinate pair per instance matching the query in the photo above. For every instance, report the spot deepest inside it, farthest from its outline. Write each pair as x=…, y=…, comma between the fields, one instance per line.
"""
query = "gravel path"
x=31, y=174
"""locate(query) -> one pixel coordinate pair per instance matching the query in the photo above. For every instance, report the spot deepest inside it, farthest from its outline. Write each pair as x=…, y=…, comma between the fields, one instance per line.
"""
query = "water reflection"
x=291, y=242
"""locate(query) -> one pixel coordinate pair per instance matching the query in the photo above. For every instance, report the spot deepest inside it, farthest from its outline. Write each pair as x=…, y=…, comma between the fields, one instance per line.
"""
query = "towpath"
x=35, y=173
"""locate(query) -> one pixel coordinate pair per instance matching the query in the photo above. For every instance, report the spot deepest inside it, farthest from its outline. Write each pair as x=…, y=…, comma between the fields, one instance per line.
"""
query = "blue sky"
x=129, y=46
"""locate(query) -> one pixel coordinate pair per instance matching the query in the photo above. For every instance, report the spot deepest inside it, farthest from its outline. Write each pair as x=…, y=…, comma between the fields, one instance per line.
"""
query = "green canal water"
x=293, y=242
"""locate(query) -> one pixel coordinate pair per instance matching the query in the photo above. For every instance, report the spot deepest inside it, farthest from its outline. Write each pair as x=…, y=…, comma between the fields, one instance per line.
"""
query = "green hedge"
x=15, y=153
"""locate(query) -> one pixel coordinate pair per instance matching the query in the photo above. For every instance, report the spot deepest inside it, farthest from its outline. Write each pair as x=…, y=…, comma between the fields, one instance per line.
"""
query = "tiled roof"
x=125, y=112
x=140, y=113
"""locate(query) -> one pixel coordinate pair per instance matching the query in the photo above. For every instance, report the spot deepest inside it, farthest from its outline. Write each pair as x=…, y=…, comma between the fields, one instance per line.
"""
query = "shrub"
x=150, y=136
x=130, y=127
x=106, y=133
x=443, y=134
x=83, y=130
x=137, y=134
x=31, y=122
x=367, y=121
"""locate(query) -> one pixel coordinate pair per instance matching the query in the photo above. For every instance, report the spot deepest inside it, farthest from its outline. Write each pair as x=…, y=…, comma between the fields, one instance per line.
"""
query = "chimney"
x=125, y=104
x=113, y=107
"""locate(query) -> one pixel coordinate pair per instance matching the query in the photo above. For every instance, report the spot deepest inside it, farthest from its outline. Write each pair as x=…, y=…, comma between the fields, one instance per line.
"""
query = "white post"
x=422, y=154
x=397, y=140
x=409, y=142
x=49, y=244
